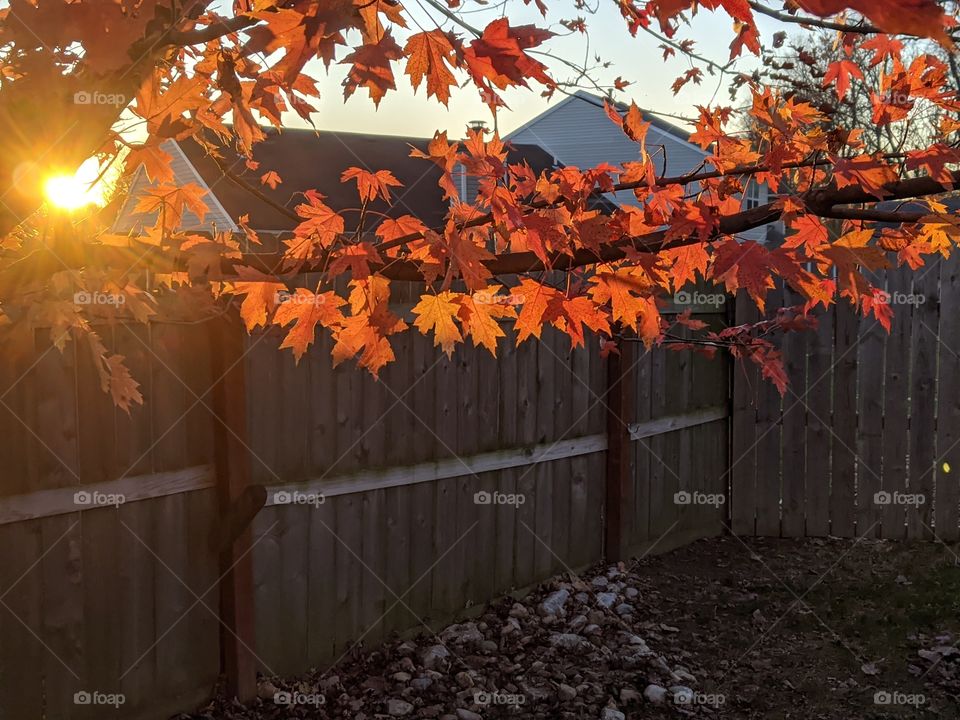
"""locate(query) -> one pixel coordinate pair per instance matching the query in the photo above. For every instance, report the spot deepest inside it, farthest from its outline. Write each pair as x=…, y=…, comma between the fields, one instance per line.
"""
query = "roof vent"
x=479, y=125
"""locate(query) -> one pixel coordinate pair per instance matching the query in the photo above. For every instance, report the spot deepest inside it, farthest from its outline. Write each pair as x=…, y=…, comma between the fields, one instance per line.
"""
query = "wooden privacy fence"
x=421, y=477
x=255, y=514
x=863, y=441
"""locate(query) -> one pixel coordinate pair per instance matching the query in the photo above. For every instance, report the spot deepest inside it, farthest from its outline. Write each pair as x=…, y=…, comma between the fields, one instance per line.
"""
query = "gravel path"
x=814, y=629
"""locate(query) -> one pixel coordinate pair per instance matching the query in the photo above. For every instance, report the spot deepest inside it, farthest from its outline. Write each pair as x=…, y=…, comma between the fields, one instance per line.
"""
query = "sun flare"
x=72, y=192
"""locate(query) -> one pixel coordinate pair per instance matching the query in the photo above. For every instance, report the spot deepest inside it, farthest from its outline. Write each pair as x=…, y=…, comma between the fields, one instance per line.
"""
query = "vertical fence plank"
x=399, y=431
x=817, y=395
x=947, y=495
x=621, y=376
x=170, y=555
x=642, y=458
x=743, y=425
x=870, y=383
x=561, y=472
x=237, y=638
x=663, y=512
x=768, y=458
x=21, y=676
x=55, y=457
x=923, y=397
x=137, y=593
x=101, y=529
x=843, y=435
x=793, y=523
x=895, y=406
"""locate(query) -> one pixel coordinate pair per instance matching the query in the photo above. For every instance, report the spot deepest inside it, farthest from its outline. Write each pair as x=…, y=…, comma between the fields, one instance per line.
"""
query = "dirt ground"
x=772, y=629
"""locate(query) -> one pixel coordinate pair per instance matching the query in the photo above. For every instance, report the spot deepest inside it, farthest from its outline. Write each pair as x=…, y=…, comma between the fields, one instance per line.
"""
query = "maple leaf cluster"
x=532, y=248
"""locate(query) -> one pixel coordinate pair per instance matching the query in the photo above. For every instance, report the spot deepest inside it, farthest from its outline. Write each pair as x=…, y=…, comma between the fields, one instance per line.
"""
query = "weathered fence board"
x=867, y=423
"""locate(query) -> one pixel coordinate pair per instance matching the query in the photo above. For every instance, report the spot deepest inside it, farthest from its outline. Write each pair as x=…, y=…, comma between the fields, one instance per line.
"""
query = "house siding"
x=183, y=174
x=578, y=133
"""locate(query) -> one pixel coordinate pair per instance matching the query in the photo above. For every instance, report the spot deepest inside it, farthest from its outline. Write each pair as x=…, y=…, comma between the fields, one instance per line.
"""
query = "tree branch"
x=226, y=26
x=862, y=29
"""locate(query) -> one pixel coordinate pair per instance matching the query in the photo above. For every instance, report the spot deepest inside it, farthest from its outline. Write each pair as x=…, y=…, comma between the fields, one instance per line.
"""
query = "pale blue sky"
x=638, y=60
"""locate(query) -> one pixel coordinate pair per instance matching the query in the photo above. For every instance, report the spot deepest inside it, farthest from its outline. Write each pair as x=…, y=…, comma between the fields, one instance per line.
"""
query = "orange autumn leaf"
x=270, y=178
x=306, y=310
x=431, y=55
x=370, y=185
x=437, y=314
x=262, y=294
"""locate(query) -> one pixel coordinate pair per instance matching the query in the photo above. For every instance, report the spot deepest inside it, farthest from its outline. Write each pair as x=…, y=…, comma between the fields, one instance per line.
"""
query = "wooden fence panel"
x=96, y=596
x=896, y=415
x=868, y=420
x=923, y=398
x=817, y=396
x=843, y=423
x=743, y=428
x=947, y=498
x=870, y=390
x=794, y=474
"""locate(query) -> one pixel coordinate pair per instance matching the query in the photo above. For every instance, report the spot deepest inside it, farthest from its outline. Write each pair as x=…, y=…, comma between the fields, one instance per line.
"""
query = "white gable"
x=577, y=132
x=184, y=173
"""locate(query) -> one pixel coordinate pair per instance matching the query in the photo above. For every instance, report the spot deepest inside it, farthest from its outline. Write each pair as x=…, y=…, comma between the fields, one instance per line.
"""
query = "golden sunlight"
x=71, y=192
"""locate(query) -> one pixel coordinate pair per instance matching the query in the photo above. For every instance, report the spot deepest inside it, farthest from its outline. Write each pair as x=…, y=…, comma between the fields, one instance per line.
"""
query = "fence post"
x=621, y=384
x=233, y=476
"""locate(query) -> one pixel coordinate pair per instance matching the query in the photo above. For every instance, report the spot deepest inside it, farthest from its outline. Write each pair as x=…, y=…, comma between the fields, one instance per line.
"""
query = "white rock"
x=599, y=581
x=568, y=641
x=606, y=599
x=462, y=633
x=463, y=714
x=681, y=694
x=399, y=708
x=624, y=609
x=612, y=714
x=434, y=657
x=553, y=603
x=632, y=593
x=655, y=694
x=519, y=611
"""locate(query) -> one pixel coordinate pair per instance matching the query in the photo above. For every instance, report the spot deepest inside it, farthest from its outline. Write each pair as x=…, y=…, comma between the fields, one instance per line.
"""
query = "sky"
x=637, y=60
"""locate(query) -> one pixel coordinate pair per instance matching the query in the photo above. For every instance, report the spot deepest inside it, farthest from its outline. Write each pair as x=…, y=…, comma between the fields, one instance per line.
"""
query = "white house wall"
x=577, y=132
x=184, y=173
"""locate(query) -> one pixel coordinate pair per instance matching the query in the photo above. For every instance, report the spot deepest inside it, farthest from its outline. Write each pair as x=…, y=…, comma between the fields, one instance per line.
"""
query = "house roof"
x=586, y=97
x=305, y=160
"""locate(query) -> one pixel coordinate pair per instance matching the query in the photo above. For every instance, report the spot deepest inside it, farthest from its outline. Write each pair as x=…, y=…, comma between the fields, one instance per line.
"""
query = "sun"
x=72, y=192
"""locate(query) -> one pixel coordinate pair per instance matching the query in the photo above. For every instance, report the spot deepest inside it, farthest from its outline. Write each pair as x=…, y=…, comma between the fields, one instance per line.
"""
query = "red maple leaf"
x=371, y=184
